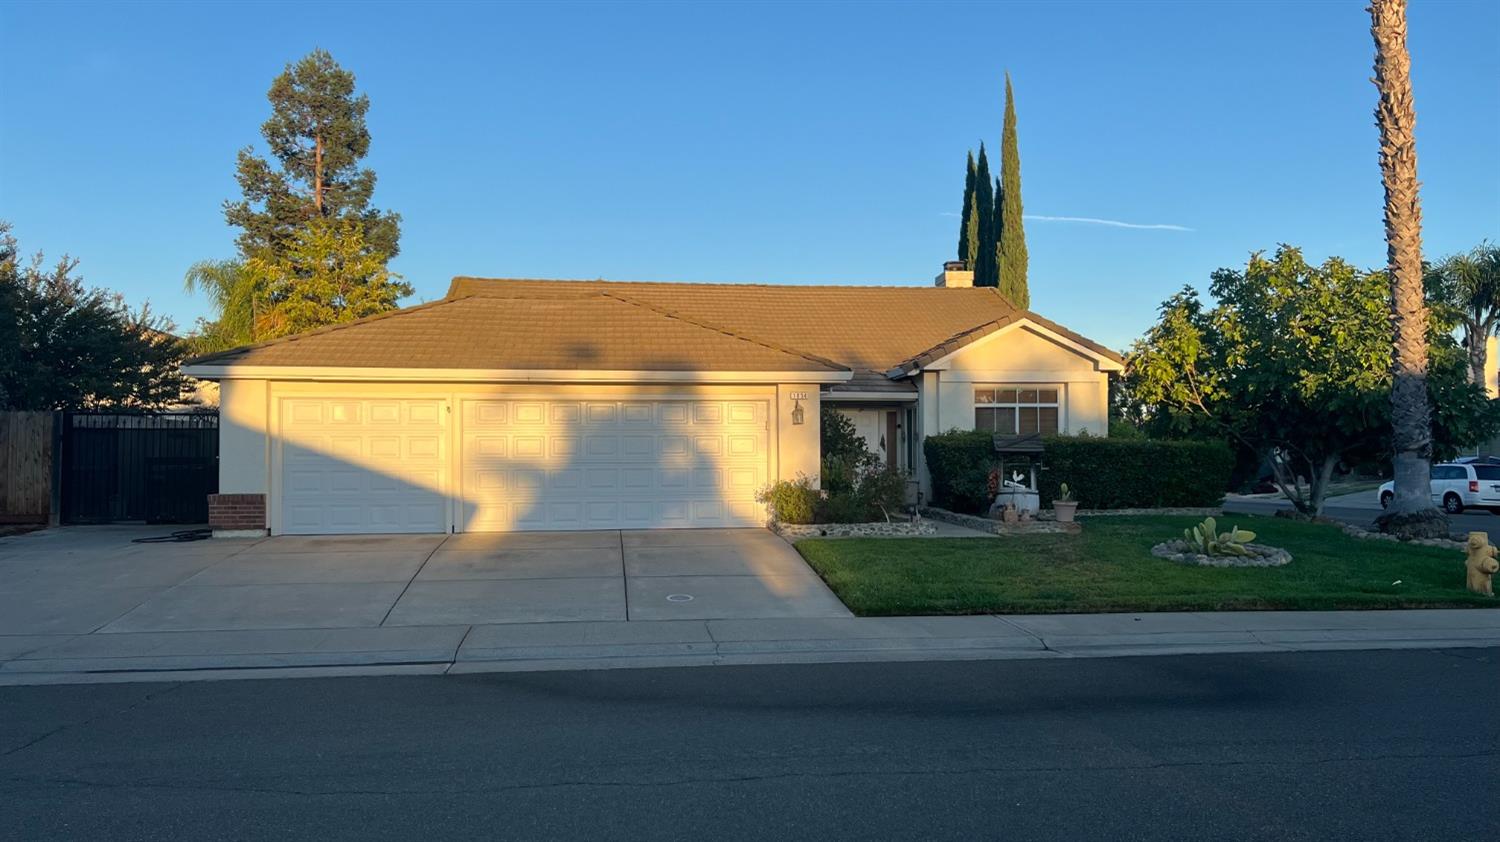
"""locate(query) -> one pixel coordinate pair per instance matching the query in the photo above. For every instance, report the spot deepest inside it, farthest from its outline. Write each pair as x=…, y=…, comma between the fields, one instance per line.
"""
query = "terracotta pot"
x=1065, y=510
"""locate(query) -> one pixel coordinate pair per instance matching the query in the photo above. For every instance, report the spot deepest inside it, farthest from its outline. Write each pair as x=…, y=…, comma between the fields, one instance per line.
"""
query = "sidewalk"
x=457, y=649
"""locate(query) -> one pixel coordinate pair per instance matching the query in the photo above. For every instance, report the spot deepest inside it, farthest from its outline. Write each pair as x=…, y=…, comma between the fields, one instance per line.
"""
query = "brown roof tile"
x=591, y=331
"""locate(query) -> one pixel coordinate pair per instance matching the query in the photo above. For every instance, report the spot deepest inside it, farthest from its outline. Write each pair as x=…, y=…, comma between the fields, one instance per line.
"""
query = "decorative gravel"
x=795, y=531
x=1184, y=553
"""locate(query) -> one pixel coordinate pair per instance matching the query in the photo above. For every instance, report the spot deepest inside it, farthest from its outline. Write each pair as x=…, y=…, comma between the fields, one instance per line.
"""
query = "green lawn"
x=1109, y=567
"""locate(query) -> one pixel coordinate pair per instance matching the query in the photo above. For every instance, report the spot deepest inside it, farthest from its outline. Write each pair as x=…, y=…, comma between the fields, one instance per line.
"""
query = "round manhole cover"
x=679, y=597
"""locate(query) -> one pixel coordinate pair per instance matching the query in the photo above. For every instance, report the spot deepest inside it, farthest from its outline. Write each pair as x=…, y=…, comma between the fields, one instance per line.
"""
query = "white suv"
x=1459, y=486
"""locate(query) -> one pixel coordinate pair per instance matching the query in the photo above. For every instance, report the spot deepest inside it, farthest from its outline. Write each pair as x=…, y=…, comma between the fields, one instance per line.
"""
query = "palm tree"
x=232, y=295
x=1464, y=290
x=1411, y=512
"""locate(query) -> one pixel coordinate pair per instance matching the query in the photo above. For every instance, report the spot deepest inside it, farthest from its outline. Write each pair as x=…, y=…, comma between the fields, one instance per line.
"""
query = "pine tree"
x=985, y=274
x=1010, y=236
x=317, y=135
x=965, y=242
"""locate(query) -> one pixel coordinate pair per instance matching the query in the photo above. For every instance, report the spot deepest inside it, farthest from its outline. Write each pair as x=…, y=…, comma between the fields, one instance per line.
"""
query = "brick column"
x=237, y=515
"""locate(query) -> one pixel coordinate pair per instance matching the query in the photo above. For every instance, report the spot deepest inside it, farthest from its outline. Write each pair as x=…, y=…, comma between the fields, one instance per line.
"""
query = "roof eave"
x=463, y=375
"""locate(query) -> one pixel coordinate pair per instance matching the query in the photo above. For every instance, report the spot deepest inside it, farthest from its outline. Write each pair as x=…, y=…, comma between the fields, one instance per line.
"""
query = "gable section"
x=1023, y=345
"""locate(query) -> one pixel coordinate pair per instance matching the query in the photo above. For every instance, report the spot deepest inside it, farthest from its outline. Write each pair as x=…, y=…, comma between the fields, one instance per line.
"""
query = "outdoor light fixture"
x=796, y=412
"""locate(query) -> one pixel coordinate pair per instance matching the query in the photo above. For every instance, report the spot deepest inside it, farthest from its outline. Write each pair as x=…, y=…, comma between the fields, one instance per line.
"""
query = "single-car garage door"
x=351, y=466
x=611, y=464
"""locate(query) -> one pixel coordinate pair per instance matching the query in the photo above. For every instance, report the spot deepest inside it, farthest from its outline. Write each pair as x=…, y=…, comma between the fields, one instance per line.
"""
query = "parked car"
x=1459, y=485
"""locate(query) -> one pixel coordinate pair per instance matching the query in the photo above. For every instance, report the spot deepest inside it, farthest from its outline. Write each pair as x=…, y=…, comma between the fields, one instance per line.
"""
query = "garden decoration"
x=1205, y=545
x=1063, y=505
x=1012, y=486
x=1481, y=564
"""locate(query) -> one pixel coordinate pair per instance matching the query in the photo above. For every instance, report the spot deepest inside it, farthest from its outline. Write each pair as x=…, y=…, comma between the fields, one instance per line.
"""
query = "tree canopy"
x=317, y=136
x=313, y=251
x=1293, y=364
x=1010, y=234
x=1463, y=291
x=67, y=346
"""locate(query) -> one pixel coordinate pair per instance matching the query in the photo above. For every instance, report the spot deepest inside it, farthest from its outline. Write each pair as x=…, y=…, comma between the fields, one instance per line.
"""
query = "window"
x=1017, y=410
x=1487, y=472
x=1449, y=472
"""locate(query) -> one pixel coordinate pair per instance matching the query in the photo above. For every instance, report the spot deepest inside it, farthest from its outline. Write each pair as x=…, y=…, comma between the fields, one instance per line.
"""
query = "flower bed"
x=1259, y=555
x=1039, y=526
x=797, y=531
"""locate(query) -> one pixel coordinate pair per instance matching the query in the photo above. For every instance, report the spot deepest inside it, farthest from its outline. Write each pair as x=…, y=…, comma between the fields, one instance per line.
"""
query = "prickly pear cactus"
x=1207, y=540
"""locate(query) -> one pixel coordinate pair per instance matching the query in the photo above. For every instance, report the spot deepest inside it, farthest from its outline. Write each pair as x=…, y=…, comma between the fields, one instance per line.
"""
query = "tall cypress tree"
x=1010, y=236
x=985, y=271
x=965, y=241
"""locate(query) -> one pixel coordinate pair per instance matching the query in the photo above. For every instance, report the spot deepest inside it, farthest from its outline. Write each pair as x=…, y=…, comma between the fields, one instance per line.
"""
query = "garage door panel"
x=349, y=465
x=613, y=464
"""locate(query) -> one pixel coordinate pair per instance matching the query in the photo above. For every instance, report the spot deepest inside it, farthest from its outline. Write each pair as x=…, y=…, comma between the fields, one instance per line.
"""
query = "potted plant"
x=1063, y=505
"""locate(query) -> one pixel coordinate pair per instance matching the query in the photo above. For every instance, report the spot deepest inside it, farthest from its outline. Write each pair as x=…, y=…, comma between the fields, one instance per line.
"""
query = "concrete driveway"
x=87, y=580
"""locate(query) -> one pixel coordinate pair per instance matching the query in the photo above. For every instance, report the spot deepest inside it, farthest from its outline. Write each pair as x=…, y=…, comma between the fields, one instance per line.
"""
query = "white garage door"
x=351, y=466
x=586, y=464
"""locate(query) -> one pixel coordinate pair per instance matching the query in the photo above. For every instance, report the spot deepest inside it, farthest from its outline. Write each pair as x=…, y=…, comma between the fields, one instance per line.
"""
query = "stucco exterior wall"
x=244, y=450
x=798, y=450
x=1022, y=357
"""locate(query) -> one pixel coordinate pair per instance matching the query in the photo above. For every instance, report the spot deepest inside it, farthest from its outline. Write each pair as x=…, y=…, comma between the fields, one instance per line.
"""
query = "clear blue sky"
x=770, y=142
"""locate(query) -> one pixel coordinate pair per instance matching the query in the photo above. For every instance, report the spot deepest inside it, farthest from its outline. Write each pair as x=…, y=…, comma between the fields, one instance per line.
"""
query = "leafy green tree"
x=1292, y=364
x=1463, y=290
x=328, y=274
x=317, y=136
x=67, y=346
x=966, y=243
x=233, y=296
x=984, y=213
x=1010, y=235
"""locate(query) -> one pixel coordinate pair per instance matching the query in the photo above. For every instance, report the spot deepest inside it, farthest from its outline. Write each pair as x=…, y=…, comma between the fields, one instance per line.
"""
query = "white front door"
x=351, y=465
x=611, y=464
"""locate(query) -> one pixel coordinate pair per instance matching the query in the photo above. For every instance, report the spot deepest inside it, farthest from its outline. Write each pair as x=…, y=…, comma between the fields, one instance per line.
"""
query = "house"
x=544, y=405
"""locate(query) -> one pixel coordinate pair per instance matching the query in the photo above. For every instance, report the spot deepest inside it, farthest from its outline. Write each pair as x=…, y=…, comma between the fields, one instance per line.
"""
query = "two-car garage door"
x=385, y=466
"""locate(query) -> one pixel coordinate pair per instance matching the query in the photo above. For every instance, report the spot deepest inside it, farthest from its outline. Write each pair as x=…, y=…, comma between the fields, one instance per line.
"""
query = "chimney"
x=955, y=274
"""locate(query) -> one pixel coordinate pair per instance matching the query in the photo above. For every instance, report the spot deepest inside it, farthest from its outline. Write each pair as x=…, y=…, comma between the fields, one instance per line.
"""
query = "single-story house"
x=543, y=405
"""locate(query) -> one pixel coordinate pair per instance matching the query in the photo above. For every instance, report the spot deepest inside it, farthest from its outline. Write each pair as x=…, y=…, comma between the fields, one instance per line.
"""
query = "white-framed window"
x=1018, y=410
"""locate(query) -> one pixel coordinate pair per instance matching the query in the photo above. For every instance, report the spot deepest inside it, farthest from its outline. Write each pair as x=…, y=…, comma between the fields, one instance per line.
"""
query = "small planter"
x=1065, y=510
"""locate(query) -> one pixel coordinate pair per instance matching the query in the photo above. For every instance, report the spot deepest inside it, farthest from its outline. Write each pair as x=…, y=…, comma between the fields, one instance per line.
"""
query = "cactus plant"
x=1064, y=494
x=1205, y=539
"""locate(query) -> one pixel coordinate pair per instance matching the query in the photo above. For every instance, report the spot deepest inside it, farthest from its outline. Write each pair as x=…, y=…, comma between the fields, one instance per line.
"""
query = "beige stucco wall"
x=1022, y=357
x=798, y=450
x=1018, y=356
x=244, y=466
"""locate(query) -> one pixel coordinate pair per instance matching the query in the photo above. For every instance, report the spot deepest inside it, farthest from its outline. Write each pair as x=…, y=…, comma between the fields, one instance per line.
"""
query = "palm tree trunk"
x=1411, y=417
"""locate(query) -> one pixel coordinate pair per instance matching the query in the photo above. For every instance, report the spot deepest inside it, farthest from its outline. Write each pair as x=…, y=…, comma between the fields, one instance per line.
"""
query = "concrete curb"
x=531, y=647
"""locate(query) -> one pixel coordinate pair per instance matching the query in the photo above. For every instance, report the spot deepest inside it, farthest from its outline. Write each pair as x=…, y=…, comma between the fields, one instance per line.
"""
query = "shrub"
x=837, y=437
x=960, y=462
x=1136, y=473
x=790, y=501
x=1104, y=473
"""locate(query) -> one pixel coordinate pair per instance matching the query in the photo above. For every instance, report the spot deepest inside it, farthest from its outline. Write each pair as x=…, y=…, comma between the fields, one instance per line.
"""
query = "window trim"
x=1059, y=404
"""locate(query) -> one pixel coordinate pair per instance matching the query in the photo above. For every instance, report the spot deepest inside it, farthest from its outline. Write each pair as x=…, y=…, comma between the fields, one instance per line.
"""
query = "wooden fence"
x=25, y=467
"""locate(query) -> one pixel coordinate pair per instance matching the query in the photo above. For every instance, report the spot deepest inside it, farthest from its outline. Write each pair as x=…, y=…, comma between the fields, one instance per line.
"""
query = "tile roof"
x=872, y=329
x=488, y=323
x=593, y=331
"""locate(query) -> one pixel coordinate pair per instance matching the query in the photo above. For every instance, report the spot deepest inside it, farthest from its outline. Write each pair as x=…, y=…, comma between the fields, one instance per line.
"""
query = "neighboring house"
x=524, y=404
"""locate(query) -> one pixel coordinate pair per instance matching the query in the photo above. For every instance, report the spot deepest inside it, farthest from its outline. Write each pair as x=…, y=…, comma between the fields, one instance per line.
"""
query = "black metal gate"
x=151, y=467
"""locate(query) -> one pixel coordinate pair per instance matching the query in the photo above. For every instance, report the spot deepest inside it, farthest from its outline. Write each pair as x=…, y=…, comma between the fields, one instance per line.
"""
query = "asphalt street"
x=1364, y=514
x=1367, y=745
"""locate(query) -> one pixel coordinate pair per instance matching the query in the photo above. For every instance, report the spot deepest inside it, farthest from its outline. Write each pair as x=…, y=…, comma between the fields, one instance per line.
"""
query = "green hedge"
x=1102, y=473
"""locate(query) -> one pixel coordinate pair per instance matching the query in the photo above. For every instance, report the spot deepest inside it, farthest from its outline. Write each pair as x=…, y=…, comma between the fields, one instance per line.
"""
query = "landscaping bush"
x=960, y=462
x=1104, y=473
x=1136, y=473
x=790, y=501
